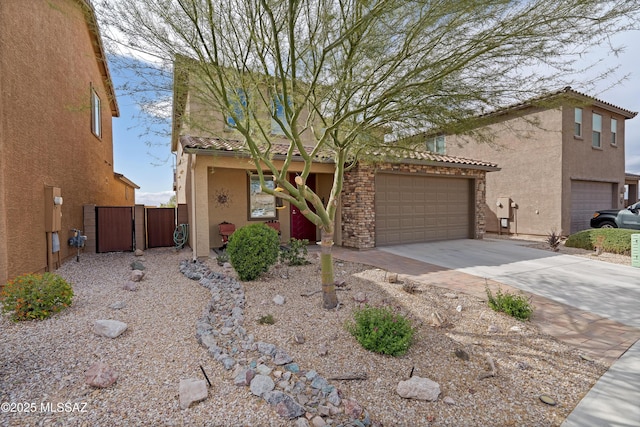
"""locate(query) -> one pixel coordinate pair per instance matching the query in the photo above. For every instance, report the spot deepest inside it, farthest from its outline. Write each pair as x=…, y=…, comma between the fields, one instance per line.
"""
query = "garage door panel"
x=429, y=208
x=586, y=198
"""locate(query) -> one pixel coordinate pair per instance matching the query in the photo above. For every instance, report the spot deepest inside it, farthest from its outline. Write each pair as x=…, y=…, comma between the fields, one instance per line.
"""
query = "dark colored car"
x=618, y=218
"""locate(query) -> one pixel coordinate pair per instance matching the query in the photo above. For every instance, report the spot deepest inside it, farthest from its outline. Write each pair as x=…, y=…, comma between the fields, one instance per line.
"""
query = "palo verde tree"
x=355, y=74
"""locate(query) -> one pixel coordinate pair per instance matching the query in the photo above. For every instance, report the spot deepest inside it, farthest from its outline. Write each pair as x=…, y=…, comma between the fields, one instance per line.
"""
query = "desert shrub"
x=35, y=296
x=222, y=258
x=553, y=240
x=267, y=320
x=295, y=253
x=613, y=240
x=517, y=306
x=252, y=250
x=380, y=330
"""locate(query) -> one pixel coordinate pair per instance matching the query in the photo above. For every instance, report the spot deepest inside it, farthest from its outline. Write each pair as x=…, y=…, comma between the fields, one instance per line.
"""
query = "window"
x=435, y=144
x=278, y=111
x=96, y=115
x=614, y=131
x=261, y=204
x=578, y=122
x=597, y=130
x=237, y=104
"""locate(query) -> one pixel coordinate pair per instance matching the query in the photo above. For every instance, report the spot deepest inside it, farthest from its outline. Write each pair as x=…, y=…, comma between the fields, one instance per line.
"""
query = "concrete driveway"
x=609, y=290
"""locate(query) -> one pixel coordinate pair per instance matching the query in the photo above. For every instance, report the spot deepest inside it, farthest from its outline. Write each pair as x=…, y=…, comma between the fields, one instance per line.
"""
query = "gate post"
x=89, y=228
x=140, y=227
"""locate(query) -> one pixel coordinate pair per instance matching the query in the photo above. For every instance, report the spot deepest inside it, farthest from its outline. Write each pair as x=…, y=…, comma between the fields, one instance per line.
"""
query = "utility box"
x=52, y=209
x=635, y=250
x=503, y=207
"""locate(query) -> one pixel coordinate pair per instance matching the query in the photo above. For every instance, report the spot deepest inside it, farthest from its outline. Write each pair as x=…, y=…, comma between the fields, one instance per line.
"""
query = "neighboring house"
x=56, y=106
x=396, y=199
x=561, y=158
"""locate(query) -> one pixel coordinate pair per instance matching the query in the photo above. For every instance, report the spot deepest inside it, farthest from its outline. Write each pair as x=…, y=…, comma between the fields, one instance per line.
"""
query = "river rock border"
x=268, y=371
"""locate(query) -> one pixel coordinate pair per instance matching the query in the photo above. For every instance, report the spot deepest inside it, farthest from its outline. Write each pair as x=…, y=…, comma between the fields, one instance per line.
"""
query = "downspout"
x=194, y=230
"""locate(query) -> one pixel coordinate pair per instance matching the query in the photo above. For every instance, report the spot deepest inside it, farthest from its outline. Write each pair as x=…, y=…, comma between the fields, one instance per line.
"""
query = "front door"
x=301, y=227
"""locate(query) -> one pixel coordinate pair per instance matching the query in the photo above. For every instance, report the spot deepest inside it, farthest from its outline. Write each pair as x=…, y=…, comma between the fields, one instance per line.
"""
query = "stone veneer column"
x=358, y=208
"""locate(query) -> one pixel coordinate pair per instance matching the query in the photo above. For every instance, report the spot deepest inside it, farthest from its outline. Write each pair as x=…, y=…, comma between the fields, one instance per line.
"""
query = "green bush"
x=295, y=253
x=517, y=306
x=35, y=296
x=381, y=330
x=252, y=250
x=614, y=240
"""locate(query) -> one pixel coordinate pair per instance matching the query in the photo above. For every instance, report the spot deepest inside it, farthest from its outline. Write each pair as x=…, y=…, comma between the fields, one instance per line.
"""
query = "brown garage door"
x=586, y=198
x=413, y=209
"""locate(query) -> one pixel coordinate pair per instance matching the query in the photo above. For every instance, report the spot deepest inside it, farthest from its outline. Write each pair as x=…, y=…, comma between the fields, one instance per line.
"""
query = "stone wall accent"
x=358, y=198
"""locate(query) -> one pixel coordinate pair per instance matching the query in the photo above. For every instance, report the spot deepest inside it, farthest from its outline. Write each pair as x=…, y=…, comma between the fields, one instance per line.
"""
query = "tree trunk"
x=329, y=295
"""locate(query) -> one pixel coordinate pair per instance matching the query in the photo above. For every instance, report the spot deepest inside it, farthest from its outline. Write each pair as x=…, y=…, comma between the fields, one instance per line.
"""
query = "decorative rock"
x=319, y=383
x=227, y=266
x=138, y=252
x=334, y=398
x=459, y=309
x=419, y=388
x=292, y=367
x=137, y=265
x=493, y=329
x=461, y=354
x=281, y=357
x=266, y=348
x=522, y=365
x=109, y=328
x=192, y=390
x=318, y=421
x=118, y=305
x=360, y=297
x=449, y=401
x=450, y=296
x=548, y=400
x=263, y=369
x=515, y=328
x=436, y=319
x=352, y=409
x=285, y=405
x=261, y=384
x=392, y=278
x=323, y=350
x=298, y=339
x=100, y=375
x=244, y=376
x=137, y=275
x=302, y=422
x=130, y=285
x=278, y=300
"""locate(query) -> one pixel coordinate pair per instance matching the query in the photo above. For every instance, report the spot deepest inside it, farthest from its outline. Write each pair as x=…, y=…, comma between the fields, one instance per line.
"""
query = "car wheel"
x=608, y=224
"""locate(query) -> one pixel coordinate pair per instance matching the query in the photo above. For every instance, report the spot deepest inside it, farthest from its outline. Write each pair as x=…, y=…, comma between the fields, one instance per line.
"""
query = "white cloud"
x=153, y=199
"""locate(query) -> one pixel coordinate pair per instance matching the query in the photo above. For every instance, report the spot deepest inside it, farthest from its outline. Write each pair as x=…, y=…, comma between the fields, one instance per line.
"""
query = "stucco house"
x=56, y=106
x=561, y=157
x=412, y=197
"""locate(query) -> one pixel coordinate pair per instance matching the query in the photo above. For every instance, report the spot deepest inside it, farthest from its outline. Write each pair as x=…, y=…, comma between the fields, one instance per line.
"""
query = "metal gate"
x=161, y=223
x=114, y=229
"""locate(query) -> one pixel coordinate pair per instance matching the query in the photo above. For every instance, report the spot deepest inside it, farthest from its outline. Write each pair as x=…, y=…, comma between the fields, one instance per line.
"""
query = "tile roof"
x=390, y=154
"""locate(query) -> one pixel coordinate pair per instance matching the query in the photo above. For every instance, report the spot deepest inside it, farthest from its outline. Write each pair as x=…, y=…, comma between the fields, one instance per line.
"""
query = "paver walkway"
x=596, y=336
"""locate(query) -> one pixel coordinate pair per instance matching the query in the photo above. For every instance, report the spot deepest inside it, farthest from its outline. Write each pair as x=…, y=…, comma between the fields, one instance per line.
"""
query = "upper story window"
x=96, y=115
x=279, y=113
x=578, y=122
x=435, y=144
x=596, y=130
x=237, y=104
x=614, y=131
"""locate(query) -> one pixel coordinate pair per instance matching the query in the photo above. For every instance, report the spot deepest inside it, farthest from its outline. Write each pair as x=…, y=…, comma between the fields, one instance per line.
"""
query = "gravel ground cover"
x=43, y=363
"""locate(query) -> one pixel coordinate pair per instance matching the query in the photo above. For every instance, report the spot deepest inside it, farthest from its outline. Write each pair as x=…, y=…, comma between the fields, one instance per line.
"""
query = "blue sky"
x=151, y=166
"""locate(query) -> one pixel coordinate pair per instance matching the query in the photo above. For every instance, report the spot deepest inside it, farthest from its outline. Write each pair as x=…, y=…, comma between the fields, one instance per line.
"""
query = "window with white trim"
x=614, y=132
x=96, y=114
x=577, y=130
x=435, y=144
x=596, y=131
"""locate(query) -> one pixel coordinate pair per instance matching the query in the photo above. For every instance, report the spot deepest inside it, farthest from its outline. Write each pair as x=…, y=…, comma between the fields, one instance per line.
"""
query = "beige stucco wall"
x=529, y=153
x=47, y=68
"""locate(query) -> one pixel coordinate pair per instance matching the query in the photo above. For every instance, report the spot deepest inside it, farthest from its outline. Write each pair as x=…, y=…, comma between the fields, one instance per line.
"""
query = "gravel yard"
x=43, y=363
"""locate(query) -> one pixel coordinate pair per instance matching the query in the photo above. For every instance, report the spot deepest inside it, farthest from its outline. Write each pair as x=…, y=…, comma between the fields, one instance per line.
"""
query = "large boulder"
x=419, y=388
x=109, y=328
x=192, y=390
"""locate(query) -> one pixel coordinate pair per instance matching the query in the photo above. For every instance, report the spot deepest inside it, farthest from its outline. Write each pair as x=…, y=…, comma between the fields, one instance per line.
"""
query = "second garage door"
x=413, y=209
x=586, y=198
